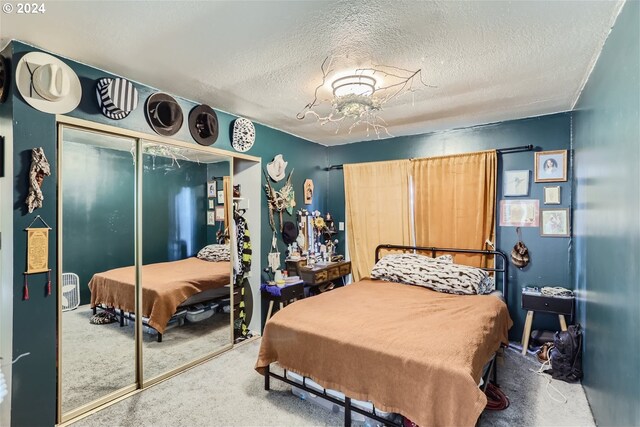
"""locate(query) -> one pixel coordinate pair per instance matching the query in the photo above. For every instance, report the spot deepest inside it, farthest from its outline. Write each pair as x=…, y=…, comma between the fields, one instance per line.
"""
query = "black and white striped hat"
x=116, y=97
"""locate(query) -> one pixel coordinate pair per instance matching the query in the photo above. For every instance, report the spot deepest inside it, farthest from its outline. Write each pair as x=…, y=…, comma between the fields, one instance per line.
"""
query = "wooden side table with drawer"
x=534, y=301
x=288, y=293
x=321, y=274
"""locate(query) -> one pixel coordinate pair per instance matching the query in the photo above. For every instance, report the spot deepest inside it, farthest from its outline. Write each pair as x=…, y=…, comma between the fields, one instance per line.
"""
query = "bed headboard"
x=500, y=258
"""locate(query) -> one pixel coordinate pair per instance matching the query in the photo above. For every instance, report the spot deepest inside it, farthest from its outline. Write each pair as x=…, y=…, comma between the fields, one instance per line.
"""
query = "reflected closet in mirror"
x=97, y=181
x=186, y=272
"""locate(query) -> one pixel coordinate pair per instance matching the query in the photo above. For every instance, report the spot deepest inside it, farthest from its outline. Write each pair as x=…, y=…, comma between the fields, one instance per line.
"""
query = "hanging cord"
x=3, y=385
x=540, y=371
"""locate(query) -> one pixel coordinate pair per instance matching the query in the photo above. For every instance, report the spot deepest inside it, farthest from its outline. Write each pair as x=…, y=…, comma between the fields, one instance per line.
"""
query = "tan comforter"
x=407, y=349
x=164, y=286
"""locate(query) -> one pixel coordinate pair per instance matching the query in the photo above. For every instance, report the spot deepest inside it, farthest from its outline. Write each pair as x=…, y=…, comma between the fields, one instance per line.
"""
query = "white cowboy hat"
x=277, y=168
x=48, y=84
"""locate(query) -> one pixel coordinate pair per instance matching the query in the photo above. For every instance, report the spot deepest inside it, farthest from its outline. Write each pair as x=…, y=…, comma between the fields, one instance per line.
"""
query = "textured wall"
x=549, y=256
x=607, y=224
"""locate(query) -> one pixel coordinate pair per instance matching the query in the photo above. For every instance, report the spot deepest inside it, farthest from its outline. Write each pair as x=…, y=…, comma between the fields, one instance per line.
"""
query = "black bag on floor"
x=566, y=355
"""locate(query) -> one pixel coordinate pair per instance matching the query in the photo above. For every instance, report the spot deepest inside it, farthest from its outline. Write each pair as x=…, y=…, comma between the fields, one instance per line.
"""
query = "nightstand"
x=535, y=301
x=289, y=293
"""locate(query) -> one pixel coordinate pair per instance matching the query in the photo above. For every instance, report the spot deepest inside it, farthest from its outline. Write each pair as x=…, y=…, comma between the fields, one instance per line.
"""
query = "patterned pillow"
x=215, y=253
x=441, y=276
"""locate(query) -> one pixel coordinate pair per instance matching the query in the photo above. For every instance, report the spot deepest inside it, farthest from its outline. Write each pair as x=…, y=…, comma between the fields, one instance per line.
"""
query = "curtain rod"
x=509, y=150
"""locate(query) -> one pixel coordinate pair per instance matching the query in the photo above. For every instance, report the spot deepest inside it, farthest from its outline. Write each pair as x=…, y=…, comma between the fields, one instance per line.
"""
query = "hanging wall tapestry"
x=39, y=169
x=37, y=254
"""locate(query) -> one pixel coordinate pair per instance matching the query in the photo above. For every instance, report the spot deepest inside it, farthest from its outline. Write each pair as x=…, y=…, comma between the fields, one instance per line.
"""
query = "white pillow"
x=215, y=253
x=438, y=275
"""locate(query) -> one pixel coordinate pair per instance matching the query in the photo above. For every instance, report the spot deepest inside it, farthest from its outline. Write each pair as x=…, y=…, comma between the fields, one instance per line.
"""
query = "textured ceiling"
x=487, y=61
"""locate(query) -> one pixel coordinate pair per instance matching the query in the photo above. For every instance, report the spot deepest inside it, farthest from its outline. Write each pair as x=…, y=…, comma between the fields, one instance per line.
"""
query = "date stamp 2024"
x=24, y=8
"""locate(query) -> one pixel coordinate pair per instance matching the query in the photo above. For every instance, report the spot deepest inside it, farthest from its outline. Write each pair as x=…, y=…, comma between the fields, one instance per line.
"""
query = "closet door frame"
x=140, y=383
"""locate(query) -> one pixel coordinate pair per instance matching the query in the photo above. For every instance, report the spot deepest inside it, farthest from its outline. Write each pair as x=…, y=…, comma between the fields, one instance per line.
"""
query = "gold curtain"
x=377, y=204
x=455, y=202
x=226, y=186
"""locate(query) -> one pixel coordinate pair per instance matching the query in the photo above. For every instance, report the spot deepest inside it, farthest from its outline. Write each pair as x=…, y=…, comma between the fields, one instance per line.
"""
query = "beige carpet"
x=226, y=391
x=100, y=359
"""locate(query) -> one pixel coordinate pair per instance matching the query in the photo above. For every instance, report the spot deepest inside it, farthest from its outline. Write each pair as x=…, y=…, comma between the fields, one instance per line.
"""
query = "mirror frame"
x=140, y=382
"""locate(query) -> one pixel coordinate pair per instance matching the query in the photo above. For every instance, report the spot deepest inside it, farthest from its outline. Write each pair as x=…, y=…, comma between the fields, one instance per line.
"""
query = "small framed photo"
x=221, y=197
x=516, y=183
x=519, y=213
x=552, y=195
x=212, y=204
x=211, y=189
x=219, y=213
x=211, y=218
x=551, y=166
x=555, y=223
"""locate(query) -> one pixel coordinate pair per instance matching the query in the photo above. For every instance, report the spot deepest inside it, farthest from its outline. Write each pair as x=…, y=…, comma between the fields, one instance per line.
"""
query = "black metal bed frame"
x=491, y=372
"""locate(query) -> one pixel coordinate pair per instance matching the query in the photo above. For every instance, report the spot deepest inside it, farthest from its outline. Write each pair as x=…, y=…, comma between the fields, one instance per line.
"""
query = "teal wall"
x=174, y=209
x=98, y=211
x=606, y=129
x=549, y=256
x=34, y=378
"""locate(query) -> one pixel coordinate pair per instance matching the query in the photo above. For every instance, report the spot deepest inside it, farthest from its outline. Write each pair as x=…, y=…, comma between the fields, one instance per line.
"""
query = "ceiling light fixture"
x=359, y=96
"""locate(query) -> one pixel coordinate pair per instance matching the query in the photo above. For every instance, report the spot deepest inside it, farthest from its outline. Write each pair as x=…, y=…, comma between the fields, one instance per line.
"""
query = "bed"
x=406, y=349
x=166, y=286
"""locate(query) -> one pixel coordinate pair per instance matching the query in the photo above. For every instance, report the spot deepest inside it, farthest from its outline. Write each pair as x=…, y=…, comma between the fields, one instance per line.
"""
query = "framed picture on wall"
x=551, y=166
x=221, y=197
x=212, y=204
x=555, y=223
x=211, y=218
x=516, y=183
x=211, y=189
x=519, y=213
x=552, y=195
x=220, y=213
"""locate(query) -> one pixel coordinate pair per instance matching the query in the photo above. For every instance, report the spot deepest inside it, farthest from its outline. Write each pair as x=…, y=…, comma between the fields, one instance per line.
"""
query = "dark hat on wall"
x=203, y=124
x=116, y=97
x=520, y=255
x=289, y=232
x=4, y=78
x=163, y=114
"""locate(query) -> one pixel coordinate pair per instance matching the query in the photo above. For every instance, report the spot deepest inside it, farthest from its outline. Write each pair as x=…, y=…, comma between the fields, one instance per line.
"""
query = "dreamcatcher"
x=279, y=201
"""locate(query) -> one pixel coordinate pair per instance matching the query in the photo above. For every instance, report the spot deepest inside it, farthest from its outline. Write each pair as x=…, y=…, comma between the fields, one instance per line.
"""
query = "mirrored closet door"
x=97, y=249
x=186, y=271
x=144, y=261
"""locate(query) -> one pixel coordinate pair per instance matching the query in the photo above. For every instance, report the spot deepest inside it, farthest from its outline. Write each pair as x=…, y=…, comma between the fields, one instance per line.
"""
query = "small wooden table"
x=536, y=301
x=289, y=293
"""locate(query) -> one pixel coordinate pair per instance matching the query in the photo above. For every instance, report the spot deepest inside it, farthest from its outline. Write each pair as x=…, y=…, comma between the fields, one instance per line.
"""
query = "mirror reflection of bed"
x=185, y=299
x=175, y=206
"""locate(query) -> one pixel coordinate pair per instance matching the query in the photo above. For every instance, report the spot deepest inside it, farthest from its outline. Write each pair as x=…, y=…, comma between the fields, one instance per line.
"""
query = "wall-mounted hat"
x=4, y=78
x=163, y=114
x=48, y=84
x=116, y=97
x=289, y=232
x=203, y=124
x=520, y=255
x=244, y=134
x=276, y=168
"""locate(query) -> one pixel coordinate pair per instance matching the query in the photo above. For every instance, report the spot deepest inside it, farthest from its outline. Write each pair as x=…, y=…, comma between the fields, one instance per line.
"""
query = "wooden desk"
x=536, y=301
x=322, y=274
